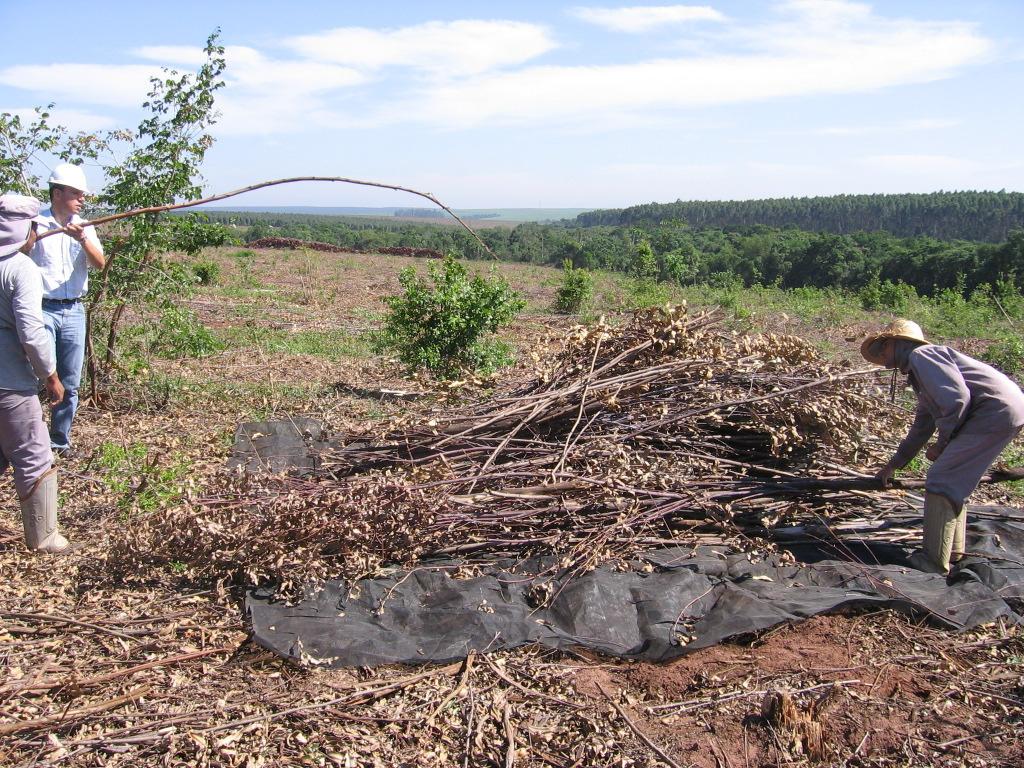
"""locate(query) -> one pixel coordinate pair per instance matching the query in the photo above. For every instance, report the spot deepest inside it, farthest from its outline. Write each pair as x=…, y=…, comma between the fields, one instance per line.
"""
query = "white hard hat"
x=68, y=175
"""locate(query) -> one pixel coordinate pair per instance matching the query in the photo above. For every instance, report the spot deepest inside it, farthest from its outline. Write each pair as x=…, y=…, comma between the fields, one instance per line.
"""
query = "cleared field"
x=116, y=668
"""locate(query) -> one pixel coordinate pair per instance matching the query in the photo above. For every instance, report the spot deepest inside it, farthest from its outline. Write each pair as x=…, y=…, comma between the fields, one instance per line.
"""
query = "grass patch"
x=242, y=293
x=245, y=264
x=177, y=333
x=246, y=400
x=142, y=483
x=334, y=345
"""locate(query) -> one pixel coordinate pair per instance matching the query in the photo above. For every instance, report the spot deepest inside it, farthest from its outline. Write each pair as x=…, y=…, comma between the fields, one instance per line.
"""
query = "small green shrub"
x=576, y=289
x=954, y=316
x=1008, y=299
x=886, y=295
x=440, y=324
x=139, y=480
x=726, y=289
x=181, y=334
x=680, y=267
x=207, y=272
x=1006, y=354
x=247, y=277
x=648, y=293
x=645, y=263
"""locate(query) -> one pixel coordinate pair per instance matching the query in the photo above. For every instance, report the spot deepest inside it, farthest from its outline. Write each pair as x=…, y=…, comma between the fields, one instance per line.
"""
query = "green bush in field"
x=1007, y=355
x=247, y=277
x=1008, y=299
x=645, y=263
x=575, y=290
x=181, y=334
x=439, y=324
x=142, y=482
x=647, y=293
x=886, y=295
x=726, y=289
x=207, y=272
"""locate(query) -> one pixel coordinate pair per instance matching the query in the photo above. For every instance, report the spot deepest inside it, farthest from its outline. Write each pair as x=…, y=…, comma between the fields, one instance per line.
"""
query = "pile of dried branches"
x=669, y=429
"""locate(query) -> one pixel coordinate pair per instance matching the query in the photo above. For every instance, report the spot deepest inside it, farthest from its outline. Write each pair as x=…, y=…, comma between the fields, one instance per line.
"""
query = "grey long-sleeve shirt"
x=956, y=393
x=26, y=351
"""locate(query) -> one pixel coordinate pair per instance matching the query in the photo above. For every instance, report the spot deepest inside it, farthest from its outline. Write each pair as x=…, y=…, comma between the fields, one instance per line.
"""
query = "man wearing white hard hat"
x=26, y=359
x=976, y=411
x=64, y=261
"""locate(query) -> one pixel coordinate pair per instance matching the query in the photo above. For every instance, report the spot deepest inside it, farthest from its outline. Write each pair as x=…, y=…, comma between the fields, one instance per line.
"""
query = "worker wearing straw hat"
x=976, y=411
x=26, y=359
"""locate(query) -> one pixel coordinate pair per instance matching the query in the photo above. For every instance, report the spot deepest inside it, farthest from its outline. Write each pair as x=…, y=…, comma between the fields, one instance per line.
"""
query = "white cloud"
x=903, y=126
x=442, y=48
x=821, y=48
x=268, y=96
x=250, y=69
x=641, y=18
x=478, y=72
x=263, y=95
x=173, y=55
x=76, y=121
x=918, y=164
x=100, y=84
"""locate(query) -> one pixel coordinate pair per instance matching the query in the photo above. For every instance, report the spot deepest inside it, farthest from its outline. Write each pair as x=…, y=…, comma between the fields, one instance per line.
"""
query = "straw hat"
x=897, y=329
x=17, y=213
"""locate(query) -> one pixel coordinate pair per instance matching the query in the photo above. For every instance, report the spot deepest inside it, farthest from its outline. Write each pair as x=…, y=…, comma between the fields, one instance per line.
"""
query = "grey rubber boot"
x=39, y=516
x=940, y=527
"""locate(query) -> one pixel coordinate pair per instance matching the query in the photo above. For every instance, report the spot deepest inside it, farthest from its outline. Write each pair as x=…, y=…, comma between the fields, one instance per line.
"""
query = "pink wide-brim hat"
x=17, y=212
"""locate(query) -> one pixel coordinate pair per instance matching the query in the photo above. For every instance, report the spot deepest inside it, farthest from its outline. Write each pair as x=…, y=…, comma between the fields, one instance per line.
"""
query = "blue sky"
x=526, y=104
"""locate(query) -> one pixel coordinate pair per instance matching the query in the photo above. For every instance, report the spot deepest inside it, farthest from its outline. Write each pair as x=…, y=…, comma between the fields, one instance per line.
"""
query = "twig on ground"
x=633, y=727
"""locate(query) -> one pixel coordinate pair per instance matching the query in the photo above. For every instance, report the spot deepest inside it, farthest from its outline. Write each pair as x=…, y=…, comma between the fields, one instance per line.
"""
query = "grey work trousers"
x=955, y=474
x=24, y=439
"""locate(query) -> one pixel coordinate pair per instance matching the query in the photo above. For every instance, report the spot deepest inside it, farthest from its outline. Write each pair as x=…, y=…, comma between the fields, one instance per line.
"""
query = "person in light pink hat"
x=26, y=360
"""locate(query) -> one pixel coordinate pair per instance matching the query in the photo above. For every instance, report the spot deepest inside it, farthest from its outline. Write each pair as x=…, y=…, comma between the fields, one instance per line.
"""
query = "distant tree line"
x=420, y=213
x=980, y=216
x=674, y=251
x=438, y=214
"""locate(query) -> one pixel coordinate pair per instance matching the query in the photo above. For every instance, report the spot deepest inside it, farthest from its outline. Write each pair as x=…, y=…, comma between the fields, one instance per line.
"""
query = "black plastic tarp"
x=691, y=600
x=675, y=600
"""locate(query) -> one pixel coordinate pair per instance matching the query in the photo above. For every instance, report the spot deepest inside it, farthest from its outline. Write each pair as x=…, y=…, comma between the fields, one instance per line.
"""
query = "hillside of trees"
x=685, y=255
x=979, y=216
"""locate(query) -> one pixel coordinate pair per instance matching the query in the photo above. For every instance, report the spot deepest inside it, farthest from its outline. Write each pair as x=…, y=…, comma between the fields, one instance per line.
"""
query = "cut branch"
x=264, y=184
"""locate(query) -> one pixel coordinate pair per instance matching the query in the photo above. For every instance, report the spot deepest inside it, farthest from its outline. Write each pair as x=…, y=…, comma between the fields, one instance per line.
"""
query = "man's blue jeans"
x=66, y=324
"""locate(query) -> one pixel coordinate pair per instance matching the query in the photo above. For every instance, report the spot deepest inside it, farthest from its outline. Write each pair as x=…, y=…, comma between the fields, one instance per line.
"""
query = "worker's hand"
x=54, y=389
x=884, y=475
x=933, y=452
x=76, y=231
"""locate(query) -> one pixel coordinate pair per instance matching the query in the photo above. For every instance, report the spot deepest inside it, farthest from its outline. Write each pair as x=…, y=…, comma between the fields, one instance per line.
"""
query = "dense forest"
x=980, y=216
x=676, y=252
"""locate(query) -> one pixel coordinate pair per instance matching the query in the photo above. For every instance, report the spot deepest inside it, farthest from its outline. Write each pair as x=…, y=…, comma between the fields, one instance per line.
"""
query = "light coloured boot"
x=959, y=537
x=940, y=525
x=39, y=516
